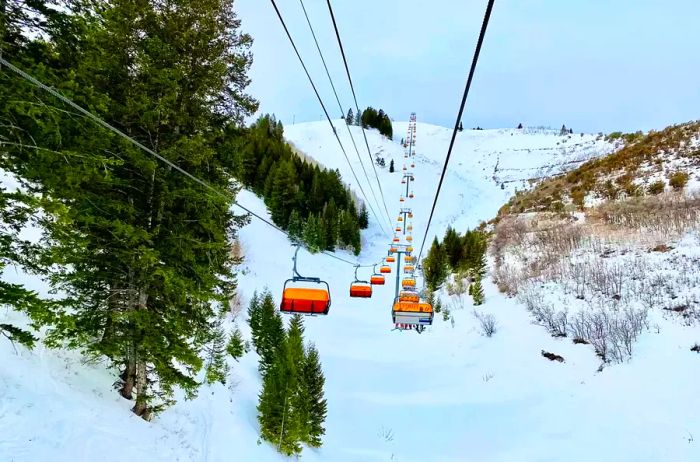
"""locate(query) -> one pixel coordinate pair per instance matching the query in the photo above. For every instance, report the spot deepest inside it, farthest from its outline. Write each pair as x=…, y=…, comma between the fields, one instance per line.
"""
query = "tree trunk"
x=141, y=407
x=128, y=378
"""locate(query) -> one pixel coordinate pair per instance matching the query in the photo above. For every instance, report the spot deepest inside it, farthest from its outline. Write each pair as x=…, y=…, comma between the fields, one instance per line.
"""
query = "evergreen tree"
x=435, y=266
x=283, y=408
x=216, y=368
x=295, y=228
x=453, y=248
x=236, y=345
x=358, y=118
x=312, y=234
x=350, y=118
x=520, y=126
x=282, y=197
x=330, y=225
x=272, y=334
x=143, y=252
x=391, y=166
x=255, y=320
x=460, y=126
x=477, y=291
x=312, y=382
x=278, y=422
x=363, y=220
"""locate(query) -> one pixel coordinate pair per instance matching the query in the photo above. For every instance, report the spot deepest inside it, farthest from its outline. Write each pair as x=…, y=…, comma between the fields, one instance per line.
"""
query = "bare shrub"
x=487, y=322
x=507, y=279
x=612, y=333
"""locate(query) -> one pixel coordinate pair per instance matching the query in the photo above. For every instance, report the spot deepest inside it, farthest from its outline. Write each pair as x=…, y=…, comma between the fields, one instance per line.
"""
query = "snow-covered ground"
x=449, y=394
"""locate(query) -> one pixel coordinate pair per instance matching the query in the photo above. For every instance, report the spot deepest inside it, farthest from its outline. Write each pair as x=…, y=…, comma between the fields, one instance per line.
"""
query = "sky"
x=594, y=65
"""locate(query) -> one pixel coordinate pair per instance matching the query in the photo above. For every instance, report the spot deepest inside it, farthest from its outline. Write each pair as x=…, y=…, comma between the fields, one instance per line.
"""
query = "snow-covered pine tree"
x=350, y=118
x=391, y=166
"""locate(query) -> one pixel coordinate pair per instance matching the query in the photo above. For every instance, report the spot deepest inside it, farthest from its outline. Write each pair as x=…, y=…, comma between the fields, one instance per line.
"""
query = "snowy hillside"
x=481, y=161
x=450, y=394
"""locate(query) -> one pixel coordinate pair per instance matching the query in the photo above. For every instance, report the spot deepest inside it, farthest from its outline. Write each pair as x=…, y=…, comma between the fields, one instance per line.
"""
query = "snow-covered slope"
x=450, y=394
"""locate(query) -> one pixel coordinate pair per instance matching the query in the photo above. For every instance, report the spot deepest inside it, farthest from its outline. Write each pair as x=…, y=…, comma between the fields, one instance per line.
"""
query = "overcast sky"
x=594, y=65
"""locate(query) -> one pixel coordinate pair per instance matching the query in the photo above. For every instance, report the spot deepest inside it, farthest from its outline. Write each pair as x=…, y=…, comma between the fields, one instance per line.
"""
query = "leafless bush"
x=507, y=279
x=508, y=232
x=612, y=333
x=667, y=213
x=487, y=322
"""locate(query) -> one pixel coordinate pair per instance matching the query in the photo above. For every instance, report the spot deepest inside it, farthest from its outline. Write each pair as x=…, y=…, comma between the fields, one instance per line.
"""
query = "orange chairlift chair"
x=390, y=259
x=362, y=289
x=385, y=269
x=409, y=296
x=411, y=315
x=377, y=279
x=408, y=283
x=305, y=300
x=408, y=269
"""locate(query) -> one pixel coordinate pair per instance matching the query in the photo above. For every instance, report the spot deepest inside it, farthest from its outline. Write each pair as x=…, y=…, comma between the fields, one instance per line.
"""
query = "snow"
x=449, y=394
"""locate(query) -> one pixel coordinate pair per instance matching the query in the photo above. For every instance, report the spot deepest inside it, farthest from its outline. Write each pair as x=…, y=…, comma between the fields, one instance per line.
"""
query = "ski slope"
x=449, y=394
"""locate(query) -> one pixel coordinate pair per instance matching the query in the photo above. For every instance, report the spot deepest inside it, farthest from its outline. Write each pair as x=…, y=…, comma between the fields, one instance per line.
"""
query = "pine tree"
x=363, y=220
x=255, y=320
x=236, y=345
x=282, y=197
x=460, y=126
x=453, y=248
x=272, y=334
x=350, y=118
x=278, y=423
x=313, y=235
x=330, y=225
x=295, y=228
x=520, y=126
x=216, y=368
x=282, y=408
x=391, y=166
x=144, y=252
x=358, y=118
x=435, y=266
x=477, y=291
x=312, y=383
